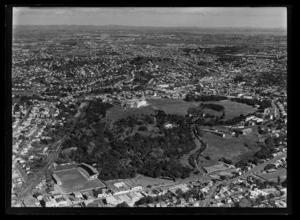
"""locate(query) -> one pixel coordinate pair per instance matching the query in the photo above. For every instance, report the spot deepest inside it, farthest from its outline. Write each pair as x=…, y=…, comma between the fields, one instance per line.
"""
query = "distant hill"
x=258, y=31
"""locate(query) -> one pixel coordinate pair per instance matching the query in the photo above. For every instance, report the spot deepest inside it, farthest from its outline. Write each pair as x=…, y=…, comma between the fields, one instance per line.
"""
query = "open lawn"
x=171, y=106
x=232, y=109
x=117, y=112
x=178, y=106
x=281, y=172
x=229, y=147
x=145, y=181
x=72, y=180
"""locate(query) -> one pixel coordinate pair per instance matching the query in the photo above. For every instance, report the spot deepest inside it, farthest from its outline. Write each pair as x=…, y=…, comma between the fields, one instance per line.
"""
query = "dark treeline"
x=202, y=98
x=263, y=104
x=212, y=106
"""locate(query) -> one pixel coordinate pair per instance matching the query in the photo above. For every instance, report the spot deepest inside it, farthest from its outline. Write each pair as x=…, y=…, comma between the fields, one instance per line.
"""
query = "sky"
x=256, y=17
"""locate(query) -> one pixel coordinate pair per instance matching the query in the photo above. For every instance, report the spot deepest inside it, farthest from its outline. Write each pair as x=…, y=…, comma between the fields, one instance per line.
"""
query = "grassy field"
x=232, y=109
x=281, y=172
x=229, y=147
x=117, y=112
x=180, y=107
x=73, y=180
x=145, y=181
x=171, y=106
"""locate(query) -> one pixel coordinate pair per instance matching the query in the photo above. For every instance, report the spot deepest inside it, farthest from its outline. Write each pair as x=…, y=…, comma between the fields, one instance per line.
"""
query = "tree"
x=278, y=180
x=269, y=166
x=143, y=128
x=271, y=196
x=244, y=202
x=207, y=157
x=223, y=115
x=179, y=192
x=269, y=142
x=17, y=107
x=123, y=204
x=222, y=177
x=258, y=200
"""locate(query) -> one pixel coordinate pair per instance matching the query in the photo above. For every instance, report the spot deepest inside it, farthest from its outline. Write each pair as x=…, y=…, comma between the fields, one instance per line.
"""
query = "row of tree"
x=203, y=98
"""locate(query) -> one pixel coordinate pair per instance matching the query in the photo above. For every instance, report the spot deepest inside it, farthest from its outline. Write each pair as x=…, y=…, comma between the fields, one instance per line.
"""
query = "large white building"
x=136, y=103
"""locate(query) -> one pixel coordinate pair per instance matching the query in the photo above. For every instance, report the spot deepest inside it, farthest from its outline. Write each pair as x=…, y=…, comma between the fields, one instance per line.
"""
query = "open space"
x=145, y=181
x=232, y=109
x=180, y=107
x=229, y=147
x=117, y=112
x=281, y=172
x=72, y=180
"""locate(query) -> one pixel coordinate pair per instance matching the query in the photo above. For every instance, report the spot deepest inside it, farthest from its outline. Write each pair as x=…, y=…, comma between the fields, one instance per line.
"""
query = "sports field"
x=72, y=180
x=229, y=147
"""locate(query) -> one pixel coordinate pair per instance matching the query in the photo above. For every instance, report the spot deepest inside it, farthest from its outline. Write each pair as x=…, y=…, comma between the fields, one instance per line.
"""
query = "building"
x=49, y=202
x=77, y=194
x=246, y=131
x=217, y=167
x=61, y=201
x=136, y=103
x=214, y=132
x=56, y=179
x=88, y=171
x=112, y=200
x=255, y=193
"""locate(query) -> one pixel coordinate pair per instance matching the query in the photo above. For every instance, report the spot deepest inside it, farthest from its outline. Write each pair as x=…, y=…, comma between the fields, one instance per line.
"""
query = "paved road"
x=27, y=188
x=259, y=167
x=39, y=176
x=254, y=170
x=23, y=119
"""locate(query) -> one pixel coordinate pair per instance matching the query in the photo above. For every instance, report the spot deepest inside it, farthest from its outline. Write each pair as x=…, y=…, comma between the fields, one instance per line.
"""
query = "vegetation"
x=116, y=158
x=263, y=104
x=202, y=98
x=212, y=106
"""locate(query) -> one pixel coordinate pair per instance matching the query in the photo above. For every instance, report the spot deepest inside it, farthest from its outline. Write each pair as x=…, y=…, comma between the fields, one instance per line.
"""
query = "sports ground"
x=72, y=180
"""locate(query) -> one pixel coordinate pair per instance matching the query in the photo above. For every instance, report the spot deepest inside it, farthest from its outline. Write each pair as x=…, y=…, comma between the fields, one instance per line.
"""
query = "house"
x=190, y=200
x=77, y=194
x=49, y=202
x=181, y=201
x=246, y=131
x=163, y=204
x=61, y=201
x=112, y=200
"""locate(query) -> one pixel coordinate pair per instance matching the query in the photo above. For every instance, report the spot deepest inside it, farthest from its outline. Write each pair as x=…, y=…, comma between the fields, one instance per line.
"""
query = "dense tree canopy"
x=115, y=158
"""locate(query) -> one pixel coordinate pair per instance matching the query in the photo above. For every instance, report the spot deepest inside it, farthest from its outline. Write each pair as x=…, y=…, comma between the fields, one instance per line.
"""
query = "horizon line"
x=106, y=25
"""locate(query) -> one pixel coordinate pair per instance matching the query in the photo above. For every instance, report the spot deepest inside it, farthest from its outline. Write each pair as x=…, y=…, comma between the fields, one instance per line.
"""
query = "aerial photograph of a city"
x=149, y=107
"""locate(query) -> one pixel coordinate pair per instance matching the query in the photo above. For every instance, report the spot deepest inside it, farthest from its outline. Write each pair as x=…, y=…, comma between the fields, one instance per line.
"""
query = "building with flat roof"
x=214, y=168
